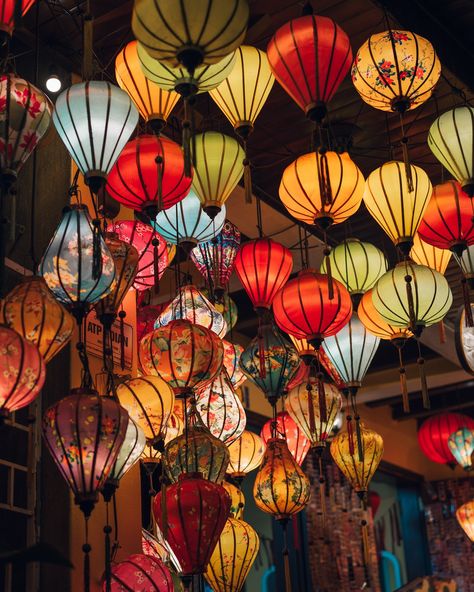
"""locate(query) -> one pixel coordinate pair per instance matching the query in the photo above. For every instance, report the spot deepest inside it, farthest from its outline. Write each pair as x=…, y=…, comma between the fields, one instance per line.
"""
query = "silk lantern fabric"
x=7, y=13
x=287, y=429
x=141, y=572
x=434, y=432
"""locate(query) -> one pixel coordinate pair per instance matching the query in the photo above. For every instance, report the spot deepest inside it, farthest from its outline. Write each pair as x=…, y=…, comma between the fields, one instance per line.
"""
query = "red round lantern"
x=141, y=572
x=149, y=175
x=434, y=432
x=303, y=308
x=447, y=222
x=7, y=14
x=310, y=57
x=196, y=512
x=263, y=267
x=287, y=429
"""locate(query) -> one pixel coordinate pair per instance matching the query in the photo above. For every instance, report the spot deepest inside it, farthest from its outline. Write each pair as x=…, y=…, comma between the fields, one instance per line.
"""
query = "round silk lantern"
x=138, y=571
x=376, y=324
x=425, y=254
x=285, y=428
x=232, y=353
x=7, y=15
x=461, y=445
x=465, y=517
x=237, y=498
x=245, y=455
x=435, y=431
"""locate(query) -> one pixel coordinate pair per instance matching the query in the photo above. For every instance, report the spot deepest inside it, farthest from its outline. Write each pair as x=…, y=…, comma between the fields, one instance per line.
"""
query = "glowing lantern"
x=310, y=56
x=396, y=208
x=376, y=324
x=227, y=308
x=94, y=120
x=285, y=428
x=396, y=70
x=425, y=254
x=232, y=353
x=233, y=556
x=237, y=503
x=153, y=103
x=32, y=311
x=141, y=570
x=22, y=370
x=130, y=452
x=466, y=263
x=155, y=545
x=186, y=356
x=434, y=433
x=465, y=517
x=451, y=140
x=246, y=454
x=461, y=444
x=7, y=14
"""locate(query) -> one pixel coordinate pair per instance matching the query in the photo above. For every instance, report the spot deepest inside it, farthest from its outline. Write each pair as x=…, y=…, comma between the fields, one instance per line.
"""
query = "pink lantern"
x=287, y=429
x=141, y=573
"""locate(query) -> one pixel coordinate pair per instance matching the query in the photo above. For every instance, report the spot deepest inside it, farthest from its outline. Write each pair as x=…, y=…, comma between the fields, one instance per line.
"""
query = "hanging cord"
x=365, y=538
x=262, y=361
x=327, y=255
x=156, y=267
x=360, y=448
x=424, y=384
x=286, y=557
x=122, y=314
x=86, y=549
x=406, y=156
x=259, y=217
x=403, y=380
x=468, y=319
x=108, y=556
x=83, y=357
x=159, y=171
x=96, y=249
x=247, y=176
x=116, y=544
x=349, y=424
x=186, y=140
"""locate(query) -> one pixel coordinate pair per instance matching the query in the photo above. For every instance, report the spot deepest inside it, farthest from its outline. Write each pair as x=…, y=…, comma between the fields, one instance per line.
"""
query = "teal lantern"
x=461, y=444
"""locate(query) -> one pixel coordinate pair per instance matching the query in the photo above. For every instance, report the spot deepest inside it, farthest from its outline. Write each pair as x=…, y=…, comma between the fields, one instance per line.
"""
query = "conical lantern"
x=246, y=454
x=425, y=254
x=263, y=266
x=451, y=140
x=285, y=428
x=22, y=369
x=94, y=120
x=396, y=208
x=84, y=433
x=186, y=356
x=434, y=433
x=129, y=454
x=219, y=167
x=153, y=103
x=396, y=70
x=149, y=175
x=237, y=500
x=310, y=56
x=7, y=14
x=196, y=513
x=461, y=444
x=465, y=517
x=233, y=557
x=232, y=353
x=139, y=571
x=32, y=311
x=324, y=188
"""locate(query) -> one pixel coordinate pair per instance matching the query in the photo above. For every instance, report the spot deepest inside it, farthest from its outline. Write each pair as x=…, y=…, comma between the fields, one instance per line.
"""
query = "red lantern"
x=149, y=175
x=447, y=223
x=287, y=429
x=302, y=308
x=141, y=572
x=263, y=267
x=374, y=502
x=434, y=432
x=196, y=512
x=7, y=13
x=309, y=57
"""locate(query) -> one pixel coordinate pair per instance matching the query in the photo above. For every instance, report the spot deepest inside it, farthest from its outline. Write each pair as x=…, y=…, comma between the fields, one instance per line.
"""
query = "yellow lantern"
x=36, y=315
x=396, y=70
x=152, y=453
x=246, y=454
x=237, y=500
x=233, y=557
x=171, y=248
x=396, y=208
x=325, y=188
x=153, y=103
x=304, y=348
x=425, y=254
x=465, y=517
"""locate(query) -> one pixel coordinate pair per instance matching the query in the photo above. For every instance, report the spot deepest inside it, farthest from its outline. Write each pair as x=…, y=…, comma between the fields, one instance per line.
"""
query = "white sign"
x=95, y=336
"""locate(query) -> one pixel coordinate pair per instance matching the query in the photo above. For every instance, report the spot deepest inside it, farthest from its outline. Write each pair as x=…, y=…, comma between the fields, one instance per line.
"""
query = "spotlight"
x=53, y=83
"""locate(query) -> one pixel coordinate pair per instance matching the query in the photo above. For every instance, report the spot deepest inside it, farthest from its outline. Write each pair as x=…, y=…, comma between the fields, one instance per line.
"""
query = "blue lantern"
x=461, y=444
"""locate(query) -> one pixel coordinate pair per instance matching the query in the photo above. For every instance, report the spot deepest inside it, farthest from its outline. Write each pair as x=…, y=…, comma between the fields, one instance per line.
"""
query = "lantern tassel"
x=467, y=304
x=424, y=384
x=286, y=558
x=322, y=399
x=350, y=434
x=261, y=352
x=411, y=306
x=406, y=156
x=403, y=383
x=96, y=250
x=86, y=549
x=360, y=450
x=324, y=179
x=108, y=572
x=122, y=315
x=365, y=540
x=247, y=177
x=159, y=167
x=327, y=252
x=156, y=270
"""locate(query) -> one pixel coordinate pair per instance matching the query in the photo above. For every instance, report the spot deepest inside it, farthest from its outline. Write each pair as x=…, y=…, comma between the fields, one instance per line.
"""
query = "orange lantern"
x=287, y=429
x=465, y=517
x=246, y=454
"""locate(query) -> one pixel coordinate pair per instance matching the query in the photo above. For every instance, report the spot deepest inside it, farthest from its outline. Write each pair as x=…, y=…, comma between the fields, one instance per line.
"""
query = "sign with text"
x=95, y=336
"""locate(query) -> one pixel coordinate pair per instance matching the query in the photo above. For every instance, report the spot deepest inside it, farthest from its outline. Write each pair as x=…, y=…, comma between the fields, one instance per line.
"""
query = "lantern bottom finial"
x=211, y=210
x=191, y=56
x=404, y=246
x=316, y=111
x=468, y=187
x=95, y=180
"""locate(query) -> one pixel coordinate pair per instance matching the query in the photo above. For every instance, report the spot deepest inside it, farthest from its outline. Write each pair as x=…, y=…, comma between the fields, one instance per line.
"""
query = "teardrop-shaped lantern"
x=221, y=409
x=94, y=119
x=281, y=488
x=237, y=503
x=219, y=167
x=434, y=432
x=425, y=254
x=232, y=353
x=285, y=428
x=22, y=369
x=263, y=266
x=310, y=57
x=149, y=175
x=233, y=557
x=465, y=517
x=32, y=311
x=451, y=140
x=246, y=454
x=7, y=14
x=461, y=444
x=26, y=115
x=138, y=571
x=303, y=307
x=153, y=103
x=324, y=188
x=129, y=454
x=186, y=356
x=69, y=262
x=84, y=433
x=393, y=206
x=396, y=70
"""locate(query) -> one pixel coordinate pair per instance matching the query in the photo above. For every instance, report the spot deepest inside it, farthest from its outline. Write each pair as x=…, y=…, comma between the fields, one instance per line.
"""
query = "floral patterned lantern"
x=434, y=433
x=285, y=428
x=425, y=254
x=465, y=517
x=232, y=353
x=228, y=309
x=22, y=369
x=7, y=14
x=246, y=454
x=32, y=311
x=461, y=444
x=155, y=545
x=237, y=498
x=141, y=572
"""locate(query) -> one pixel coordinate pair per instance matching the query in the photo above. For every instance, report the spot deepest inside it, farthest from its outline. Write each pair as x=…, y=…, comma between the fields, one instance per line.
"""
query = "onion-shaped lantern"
x=263, y=266
x=324, y=188
x=303, y=307
x=149, y=401
x=465, y=517
x=7, y=14
x=310, y=56
x=196, y=513
x=461, y=444
x=153, y=103
x=94, y=120
x=32, y=311
x=237, y=500
x=221, y=409
x=84, y=433
x=233, y=556
x=26, y=115
x=451, y=140
x=141, y=571
x=149, y=175
x=434, y=432
x=246, y=454
x=186, y=356
x=281, y=488
x=232, y=353
x=425, y=254
x=22, y=369
x=76, y=274
x=396, y=70
x=285, y=428
x=396, y=207
x=270, y=361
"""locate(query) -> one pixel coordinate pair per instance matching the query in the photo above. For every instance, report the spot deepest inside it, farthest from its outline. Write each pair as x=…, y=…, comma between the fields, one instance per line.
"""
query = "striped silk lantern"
x=246, y=454
x=425, y=254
